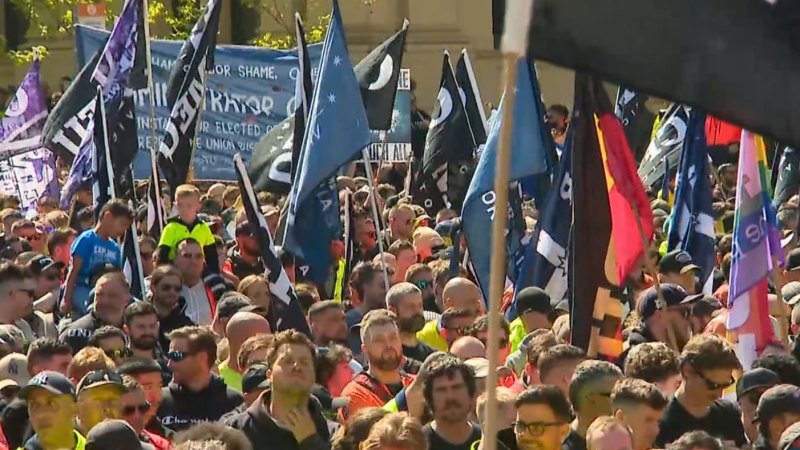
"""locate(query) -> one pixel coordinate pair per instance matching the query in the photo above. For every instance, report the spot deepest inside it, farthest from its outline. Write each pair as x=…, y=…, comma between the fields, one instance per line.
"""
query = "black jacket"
x=181, y=408
x=263, y=432
x=640, y=334
x=176, y=319
x=77, y=333
x=242, y=268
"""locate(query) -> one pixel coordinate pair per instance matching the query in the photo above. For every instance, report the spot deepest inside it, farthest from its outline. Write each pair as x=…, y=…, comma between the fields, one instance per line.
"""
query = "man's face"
x=293, y=371
x=56, y=363
x=21, y=294
x=247, y=244
x=47, y=281
x=643, y=422
x=503, y=349
x=452, y=401
x=538, y=428
x=561, y=375
x=168, y=291
x=383, y=347
x=118, y=226
x=366, y=236
x=424, y=281
x=27, y=296
x=189, y=260
x=110, y=299
x=143, y=331
x=98, y=404
x=402, y=224
x=597, y=401
x=613, y=439
x=330, y=325
x=114, y=348
x=342, y=376
x=185, y=364
x=410, y=317
x=404, y=260
x=134, y=409
x=457, y=327
x=61, y=252
x=375, y=291
x=146, y=252
x=707, y=384
x=51, y=414
x=151, y=384
x=685, y=280
x=747, y=404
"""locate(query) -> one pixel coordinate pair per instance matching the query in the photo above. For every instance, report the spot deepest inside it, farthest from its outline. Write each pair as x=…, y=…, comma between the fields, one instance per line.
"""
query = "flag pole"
x=778, y=280
x=514, y=45
x=198, y=127
x=375, y=215
x=150, y=86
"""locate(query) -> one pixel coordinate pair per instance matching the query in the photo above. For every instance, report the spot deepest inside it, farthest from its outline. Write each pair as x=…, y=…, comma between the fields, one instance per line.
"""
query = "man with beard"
x=111, y=295
x=449, y=389
x=327, y=322
x=405, y=301
x=543, y=416
x=384, y=351
x=368, y=291
x=366, y=239
x=286, y=416
x=421, y=276
x=141, y=327
x=165, y=295
x=244, y=258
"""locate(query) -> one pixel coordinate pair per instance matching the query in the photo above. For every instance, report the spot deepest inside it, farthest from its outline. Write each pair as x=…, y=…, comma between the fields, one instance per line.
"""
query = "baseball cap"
x=648, y=305
x=40, y=263
x=480, y=366
x=533, y=299
x=97, y=378
x=328, y=402
x=755, y=379
x=789, y=291
x=702, y=305
x=255, y=378
x=230, y=303
x=677, y=261
x=790, y=438
x=114, y=434
x=50, y=381
x=783, y=398
x=793, y=260
x=14, y=367
x=245, y=228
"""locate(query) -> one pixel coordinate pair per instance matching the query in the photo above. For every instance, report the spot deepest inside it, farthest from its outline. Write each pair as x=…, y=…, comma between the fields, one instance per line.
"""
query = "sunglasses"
x=170, y=287
x=129, y=410
x=178, y=356
x=713, y=386
x=534, y=429
x=424, y=284
x=119, y=353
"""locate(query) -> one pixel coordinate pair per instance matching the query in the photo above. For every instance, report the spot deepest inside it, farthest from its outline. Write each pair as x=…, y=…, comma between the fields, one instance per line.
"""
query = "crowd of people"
x=202, y=360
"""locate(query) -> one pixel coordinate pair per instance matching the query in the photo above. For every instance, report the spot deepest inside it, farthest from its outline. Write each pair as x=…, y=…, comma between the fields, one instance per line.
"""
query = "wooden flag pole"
x=514, y=46
x=777, y=279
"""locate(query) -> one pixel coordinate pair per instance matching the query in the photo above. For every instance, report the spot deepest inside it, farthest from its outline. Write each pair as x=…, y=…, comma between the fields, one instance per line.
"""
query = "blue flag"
x=692, y=218
x=546, y=254
x=336, y=132
x=537, y=186
x=527, y=159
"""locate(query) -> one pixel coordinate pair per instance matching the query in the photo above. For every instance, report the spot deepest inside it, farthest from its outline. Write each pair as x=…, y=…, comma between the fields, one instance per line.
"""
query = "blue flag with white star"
x=692, y=218
x=337, y=130
x=527, y=159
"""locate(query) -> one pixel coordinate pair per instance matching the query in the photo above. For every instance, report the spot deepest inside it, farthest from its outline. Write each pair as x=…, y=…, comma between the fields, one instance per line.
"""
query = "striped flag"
x=156, y=213
x=756, y=242
x=303, y=91
x=471, y=97
x=132, y=260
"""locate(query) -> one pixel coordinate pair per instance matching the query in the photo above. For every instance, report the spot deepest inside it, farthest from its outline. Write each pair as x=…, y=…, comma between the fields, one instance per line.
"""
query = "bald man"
x=467, y=347
x=459, y=294
x=241, y=326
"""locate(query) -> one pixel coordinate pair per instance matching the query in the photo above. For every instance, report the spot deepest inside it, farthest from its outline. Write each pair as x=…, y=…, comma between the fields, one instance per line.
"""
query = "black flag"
x=637, y=120
x=788, y=183
x=666, y=146
x=704, y=54
x=377, y=76
x=185, y=94
x=132, y=260
x=102, y=171
x=285, y=313
x=156, y=213
x=448, y=163
x=471, y=97
x=271, y=163
x=303, y=91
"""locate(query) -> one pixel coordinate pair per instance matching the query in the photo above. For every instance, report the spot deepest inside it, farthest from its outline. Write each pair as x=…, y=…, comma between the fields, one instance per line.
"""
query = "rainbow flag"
x=756, y=241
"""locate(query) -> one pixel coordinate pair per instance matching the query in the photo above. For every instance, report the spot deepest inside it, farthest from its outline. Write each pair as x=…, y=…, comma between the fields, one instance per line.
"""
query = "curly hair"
x=652, y=362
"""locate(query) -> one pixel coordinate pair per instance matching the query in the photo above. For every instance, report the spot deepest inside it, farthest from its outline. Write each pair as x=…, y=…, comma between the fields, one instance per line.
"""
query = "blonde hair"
x=505, y=398
x=397, y=430
x=250, y=280
x=186, y=190
x=58, y=219
x=87, y=360
x=604, y=424
x=376, y=318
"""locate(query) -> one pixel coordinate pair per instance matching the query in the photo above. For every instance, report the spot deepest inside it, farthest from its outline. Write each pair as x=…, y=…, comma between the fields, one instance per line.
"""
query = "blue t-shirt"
x=94, y=251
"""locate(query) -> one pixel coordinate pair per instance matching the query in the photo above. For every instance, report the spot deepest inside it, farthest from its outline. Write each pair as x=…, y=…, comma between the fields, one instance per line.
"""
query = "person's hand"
x=65, y=308
x=300, y=423
x=415, y=398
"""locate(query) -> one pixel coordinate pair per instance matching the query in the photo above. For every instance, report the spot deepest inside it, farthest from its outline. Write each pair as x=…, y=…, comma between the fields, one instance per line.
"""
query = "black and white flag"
x=637, y=120
x=285, y=313
x=448, y=162
x=788, y=183
x=132, y=260
x=102, y=172
x=377, y=76
x=304, y=89
x=156, y=213
x=665, y=148
x=471, y=98
x=185, y=97
x=271, y=163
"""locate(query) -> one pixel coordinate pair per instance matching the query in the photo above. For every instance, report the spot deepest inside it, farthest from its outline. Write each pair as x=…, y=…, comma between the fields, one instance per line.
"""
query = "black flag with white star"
x=285, y=313
x=637, y=120
x=448, y=162
x=377, y=76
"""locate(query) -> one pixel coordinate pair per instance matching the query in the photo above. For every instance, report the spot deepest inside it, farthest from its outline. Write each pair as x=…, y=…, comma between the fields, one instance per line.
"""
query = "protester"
x=557, y=365
x=328, y=323
x=99, y=398
x=112, y=295
x=148, y=374
x=608, y=432
x=590, y=395
x=52, y=407
x=749, y=389
x=655, y=363
x=241, y=326
x=543, y=418
x=533, y=310
x=187, y=226
x=165, y=287
x=639, y=405
x=405, y=301
x=368, y=290
x=134, y=411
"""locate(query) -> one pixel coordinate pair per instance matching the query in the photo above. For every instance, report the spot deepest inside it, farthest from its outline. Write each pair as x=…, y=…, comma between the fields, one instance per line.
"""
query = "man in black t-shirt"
x=405, y=300
x=778, y=408
x=449, y=387
x=590, y=395
x=707, y=364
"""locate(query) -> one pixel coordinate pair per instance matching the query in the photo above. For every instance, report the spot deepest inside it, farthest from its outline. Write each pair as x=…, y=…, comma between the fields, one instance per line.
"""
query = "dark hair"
x=327, y=360
x=305, y=296
x=117, y=208
x=709, y=352
x=12, y=272
x=651, y=362
x=44, y=349
x=199, y=339
x=696, y=440
x=400, y=245
x=85, y=214
x=57, y=238
x=289, y=337
x=163, y=271
x=481, y=325
x=320, y=307
x=447, y=366
x=138, y=309
x=104, y=332
x=559, y=109
x=232, y=439
x=363, y=274
x=539, y=341
x=545, y=394
x=557, y=355
x=633, y=391
x=286, y=257
x=136, y=365
x=784, y=365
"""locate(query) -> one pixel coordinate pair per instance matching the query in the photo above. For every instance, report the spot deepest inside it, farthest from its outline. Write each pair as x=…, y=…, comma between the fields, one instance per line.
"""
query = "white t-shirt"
x=198, y=307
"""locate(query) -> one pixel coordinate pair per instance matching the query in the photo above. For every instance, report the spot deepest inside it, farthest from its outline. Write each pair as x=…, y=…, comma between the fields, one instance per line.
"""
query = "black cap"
x=780, y=399
x=255, y=378
x=114, y=435
x=793, y=260
x=48, y=380
x=41, y=263
x=245, y=228
x=755, y=379
x=677, y=261
x=533, y=299
x=97, y=378
x=702, y=305
x=328, y=402
x=230, y=304
x=789, y=436
x=648, y=304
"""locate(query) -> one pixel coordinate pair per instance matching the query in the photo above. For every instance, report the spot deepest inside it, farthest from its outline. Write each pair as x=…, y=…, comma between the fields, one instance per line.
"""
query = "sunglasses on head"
x=129, y=410
x=178, y=356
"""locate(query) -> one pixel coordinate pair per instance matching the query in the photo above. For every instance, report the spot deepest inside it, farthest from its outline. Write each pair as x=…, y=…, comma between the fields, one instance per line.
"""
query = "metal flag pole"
x=375, y=215
x=514, y=46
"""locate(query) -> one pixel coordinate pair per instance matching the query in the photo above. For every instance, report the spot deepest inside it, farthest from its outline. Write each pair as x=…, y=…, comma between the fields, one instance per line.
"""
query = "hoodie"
x=241, y=268
x=181, y=408
x=176, y=319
